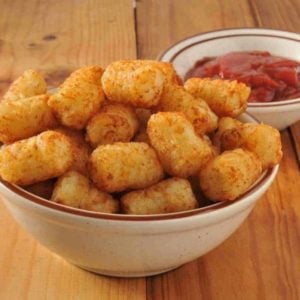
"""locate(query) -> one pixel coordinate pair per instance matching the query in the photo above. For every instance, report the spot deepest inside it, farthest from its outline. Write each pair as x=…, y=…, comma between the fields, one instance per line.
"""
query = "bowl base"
x=126, y=274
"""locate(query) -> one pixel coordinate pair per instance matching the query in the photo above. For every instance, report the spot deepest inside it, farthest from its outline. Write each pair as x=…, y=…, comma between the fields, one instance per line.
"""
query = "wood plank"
x=58, y=37
x=295, y=132
x=161, y=23
x=261, y=260
x=41, y=35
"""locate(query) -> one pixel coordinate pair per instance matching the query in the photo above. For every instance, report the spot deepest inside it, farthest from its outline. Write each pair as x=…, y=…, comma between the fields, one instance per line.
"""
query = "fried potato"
x=36, y=159
x=225, y=98
x=133, y=82
x=176, y=98
x=79, y=97
x=181, y=152
x=30, y=84
x=261, y=139
x=167, y=196
x=170, y=74
x=74, y=189
x=24, y=118
x=122, y=166
x=229, y=175
x=114, y=123
x=82, y=150
x=227, y=127
x=42, y=189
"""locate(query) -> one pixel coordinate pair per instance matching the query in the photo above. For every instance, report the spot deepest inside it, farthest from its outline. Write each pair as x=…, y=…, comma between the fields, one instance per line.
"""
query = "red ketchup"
x=271, y=78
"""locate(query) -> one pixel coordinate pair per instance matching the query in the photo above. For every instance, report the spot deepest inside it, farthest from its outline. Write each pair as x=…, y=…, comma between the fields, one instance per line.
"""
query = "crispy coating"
x=225, y=98
x=82, y=149
x=74, y=189
x=229, y=175
x=226, y=125
x=114, y=123
x=36, y=159
x=133, y=82
x=168, y=196
x=42, y=189
x=181, y=152
x=79, y=97
x=261, y=139
x=170, y=74
x=24, y=118
x=122, y=166
x=176, y=98
x=30, y=83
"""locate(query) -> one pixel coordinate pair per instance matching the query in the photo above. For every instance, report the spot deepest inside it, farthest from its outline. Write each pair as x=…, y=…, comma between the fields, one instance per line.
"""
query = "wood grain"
x=57, y=37
x=261, y=260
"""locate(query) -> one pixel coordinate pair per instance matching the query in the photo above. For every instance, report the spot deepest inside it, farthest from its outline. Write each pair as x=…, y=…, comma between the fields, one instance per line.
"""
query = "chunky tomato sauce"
x=271, y=78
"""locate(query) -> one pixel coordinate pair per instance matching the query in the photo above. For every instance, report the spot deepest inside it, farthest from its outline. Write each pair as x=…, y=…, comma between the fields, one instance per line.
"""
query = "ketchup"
x=271, y=78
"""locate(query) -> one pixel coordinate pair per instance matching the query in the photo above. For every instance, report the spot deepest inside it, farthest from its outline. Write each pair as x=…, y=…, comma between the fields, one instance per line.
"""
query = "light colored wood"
x=262, y=259
x=58, y=37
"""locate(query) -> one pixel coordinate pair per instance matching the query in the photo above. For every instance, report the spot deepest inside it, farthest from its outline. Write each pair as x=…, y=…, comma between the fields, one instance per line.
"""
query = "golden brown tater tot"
x=229, y=175
x=167, y=196
x=114, y=123
x=79, y=97
x=24, y=118
x=225, y=98
x=47, y=155
x=133, y=82
x=181, y=152
x=30, y=84
x=122, y=166
x=74, y=189
x=176, y=98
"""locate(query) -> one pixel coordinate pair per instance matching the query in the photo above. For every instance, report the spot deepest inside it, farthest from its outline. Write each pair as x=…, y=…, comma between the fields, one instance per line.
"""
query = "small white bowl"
x=131, y=246
x=185, y=53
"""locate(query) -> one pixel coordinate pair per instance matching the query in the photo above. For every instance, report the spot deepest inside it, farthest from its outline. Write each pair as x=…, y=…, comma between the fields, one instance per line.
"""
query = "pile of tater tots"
x=132, y=139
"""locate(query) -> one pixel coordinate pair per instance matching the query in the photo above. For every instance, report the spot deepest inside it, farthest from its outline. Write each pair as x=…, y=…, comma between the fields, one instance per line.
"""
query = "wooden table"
x=261, y=260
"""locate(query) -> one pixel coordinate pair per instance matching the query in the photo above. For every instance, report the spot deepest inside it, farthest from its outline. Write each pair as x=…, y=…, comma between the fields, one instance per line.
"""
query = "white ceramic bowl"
x=185, y=53
x=130, y=246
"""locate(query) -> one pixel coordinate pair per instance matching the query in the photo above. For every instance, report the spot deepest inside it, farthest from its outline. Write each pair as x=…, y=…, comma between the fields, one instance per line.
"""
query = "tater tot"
x=82, y=149
x=79, y=97
x=264, y=141
x=24, y=118
x=176, y=98
x=171, y=77
x=42, y=189
x=114, y=123
x=181, y=152
x=229, y=175
x=36, y=159
x=167, y=196
x=225, y=98
x=227, y=125
x=122, y=166
x=30, y=84
x=133, y=82
x=261, y=139
x=74, y=189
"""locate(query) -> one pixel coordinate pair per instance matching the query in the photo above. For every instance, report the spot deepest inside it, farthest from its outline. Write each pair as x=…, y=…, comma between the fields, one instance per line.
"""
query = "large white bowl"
x=185, y=53
x=130, y=246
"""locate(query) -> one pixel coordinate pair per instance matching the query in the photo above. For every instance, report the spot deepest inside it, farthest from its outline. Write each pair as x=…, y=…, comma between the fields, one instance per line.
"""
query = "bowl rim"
x=235, y=31
x=26, y=195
